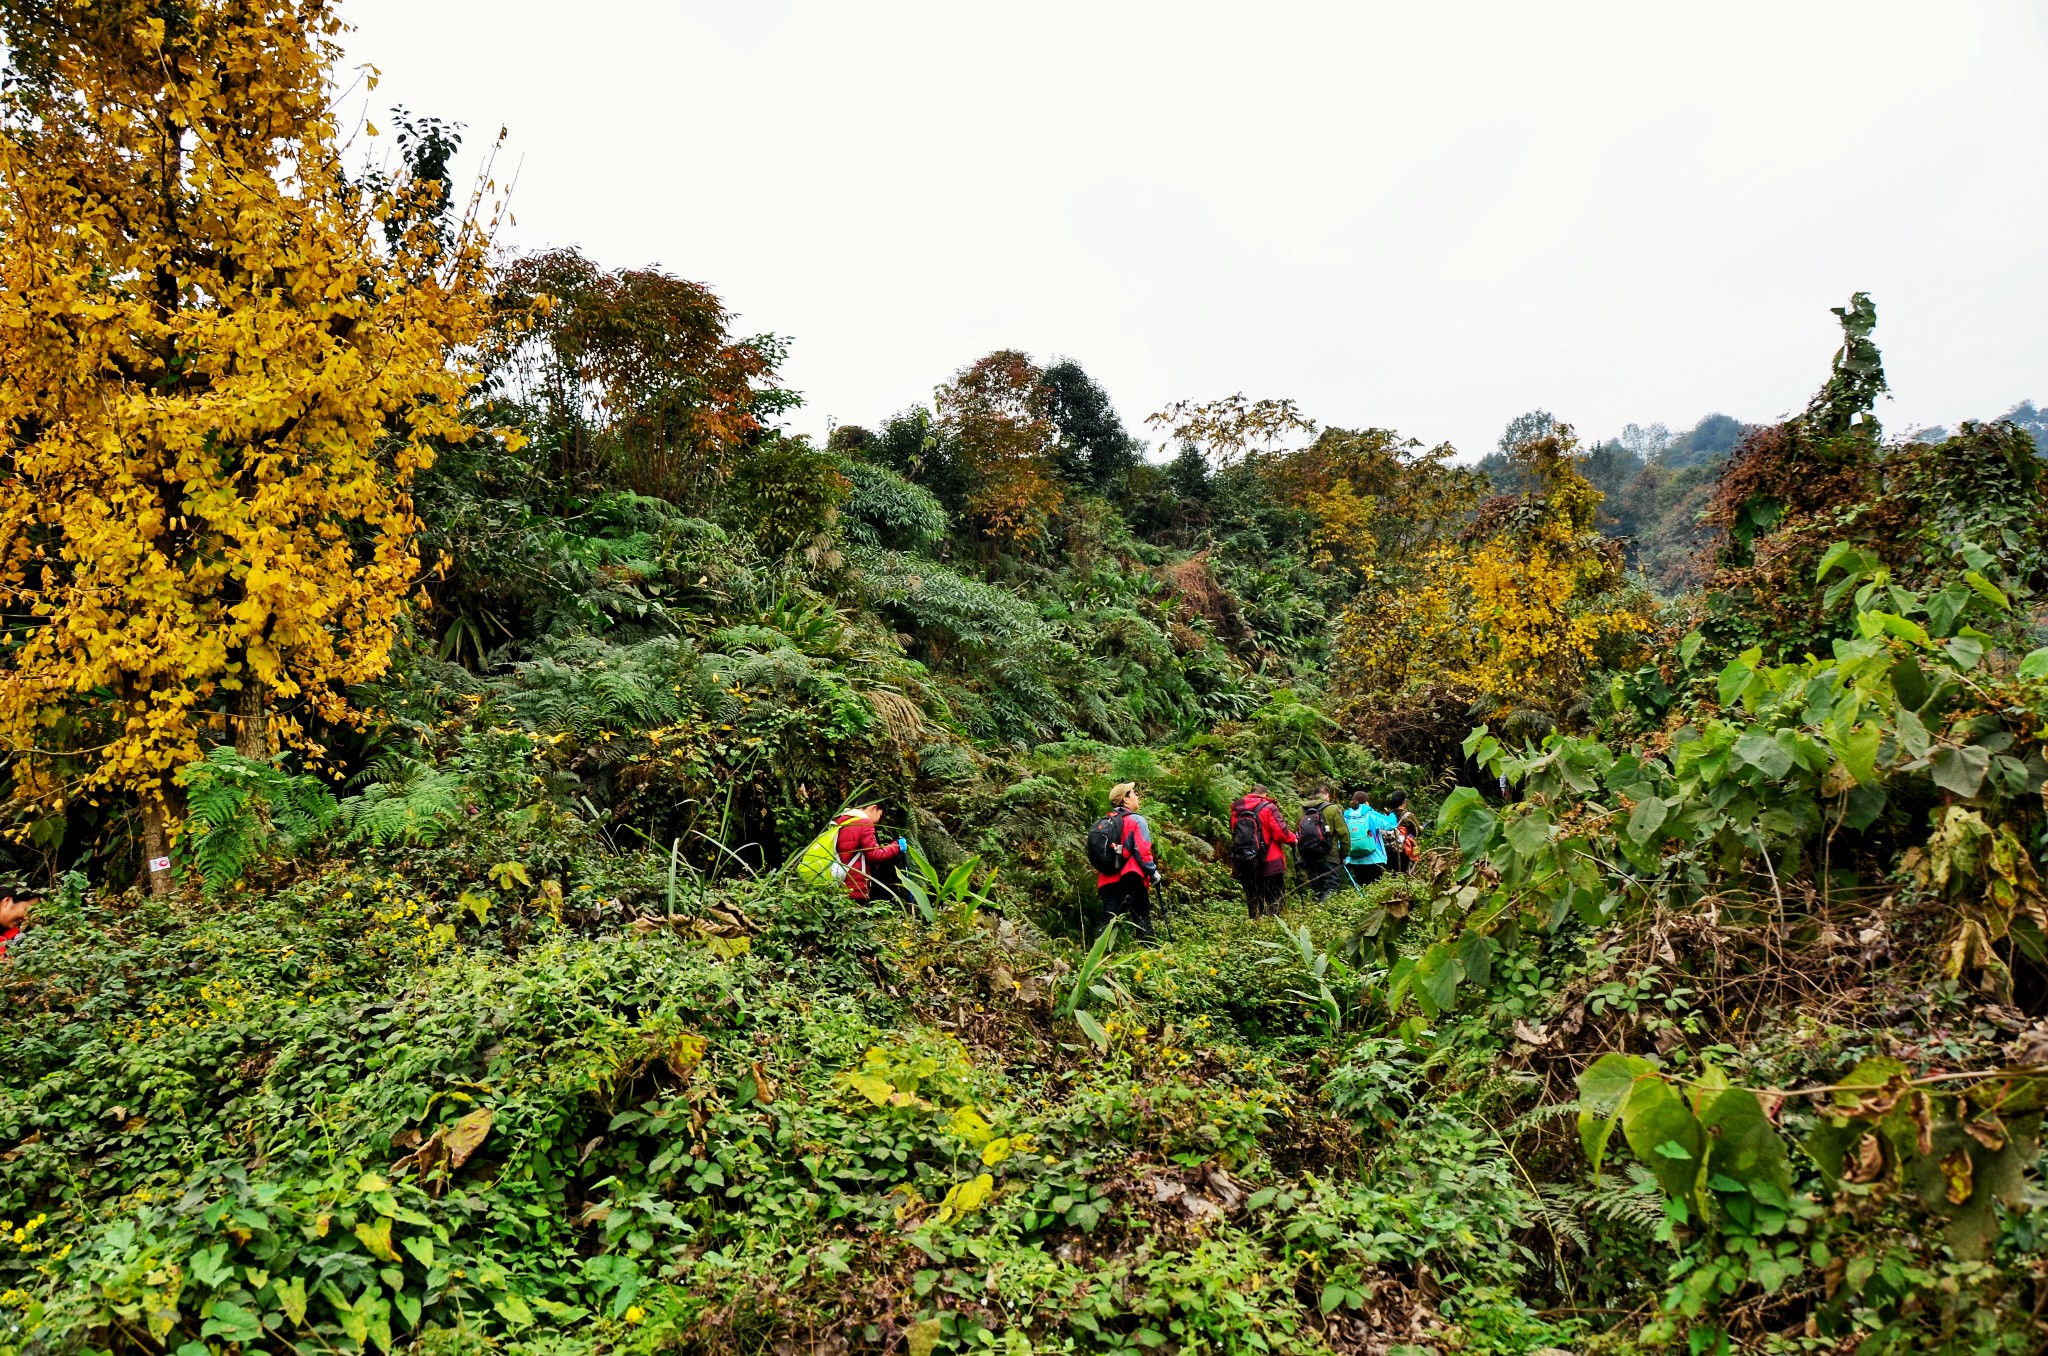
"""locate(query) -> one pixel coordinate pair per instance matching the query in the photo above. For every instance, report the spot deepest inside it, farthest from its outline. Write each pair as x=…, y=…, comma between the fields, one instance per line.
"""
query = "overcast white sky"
x=1424, y=216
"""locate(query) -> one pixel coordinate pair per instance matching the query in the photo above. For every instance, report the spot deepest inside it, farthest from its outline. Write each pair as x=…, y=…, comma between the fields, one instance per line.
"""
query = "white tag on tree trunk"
x=159, y=863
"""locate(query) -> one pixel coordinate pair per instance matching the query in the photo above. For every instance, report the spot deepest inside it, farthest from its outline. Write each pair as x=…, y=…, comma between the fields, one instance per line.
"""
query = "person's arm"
x=882, y=852
x=1279, y=832
x=1141, y=844
x=1338, y=829
x=861, y=843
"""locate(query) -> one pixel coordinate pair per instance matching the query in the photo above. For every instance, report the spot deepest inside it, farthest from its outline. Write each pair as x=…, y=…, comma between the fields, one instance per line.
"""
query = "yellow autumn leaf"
x=968, y=1124
x=876, y=1090
x=996, y=1151
x=376, y=1237
x=965, y=1198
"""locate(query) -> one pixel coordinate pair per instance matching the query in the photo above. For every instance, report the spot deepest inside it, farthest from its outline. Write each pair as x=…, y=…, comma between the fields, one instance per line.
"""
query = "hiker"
x=1367, y=859
x=1126, y=872
x=1258, y=851
x=1400, y=840
x=13, y=917
x=1321, y=841
x=848, y=849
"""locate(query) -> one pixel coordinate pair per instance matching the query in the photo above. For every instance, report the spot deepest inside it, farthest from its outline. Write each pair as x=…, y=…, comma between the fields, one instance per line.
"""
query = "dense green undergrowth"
x=1710, y=1019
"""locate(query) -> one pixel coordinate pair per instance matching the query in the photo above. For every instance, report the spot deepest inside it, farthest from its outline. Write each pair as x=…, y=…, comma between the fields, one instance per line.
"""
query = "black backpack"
x=1312, y=839
x=1247, y=836
x=1106, y=844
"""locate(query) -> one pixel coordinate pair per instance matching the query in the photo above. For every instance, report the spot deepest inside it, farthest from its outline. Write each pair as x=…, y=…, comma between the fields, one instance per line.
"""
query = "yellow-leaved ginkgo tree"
x=221, y=364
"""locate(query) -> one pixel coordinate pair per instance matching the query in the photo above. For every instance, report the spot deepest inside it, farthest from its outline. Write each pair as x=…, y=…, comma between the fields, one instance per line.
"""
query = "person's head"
x=1357, y=798
x=1397, y=800
x=1259, y=789
x=13, y=912
x=1325, y=791
x=1123, y=796
x=873, y=812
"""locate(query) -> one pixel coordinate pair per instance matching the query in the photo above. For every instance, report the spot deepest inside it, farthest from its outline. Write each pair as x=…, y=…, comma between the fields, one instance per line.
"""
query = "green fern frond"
x=238, y=808
x=1541, y=1115
x=416, y=806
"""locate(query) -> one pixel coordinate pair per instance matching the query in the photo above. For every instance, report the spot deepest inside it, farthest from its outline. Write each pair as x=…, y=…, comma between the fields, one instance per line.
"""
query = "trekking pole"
x=1165, y=932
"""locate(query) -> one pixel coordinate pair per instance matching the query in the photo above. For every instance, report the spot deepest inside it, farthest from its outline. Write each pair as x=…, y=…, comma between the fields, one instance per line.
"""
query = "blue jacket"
x=1366, y=825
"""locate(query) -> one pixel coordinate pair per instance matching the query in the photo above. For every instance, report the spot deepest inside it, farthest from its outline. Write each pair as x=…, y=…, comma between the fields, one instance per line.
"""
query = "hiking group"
x=1335, y=847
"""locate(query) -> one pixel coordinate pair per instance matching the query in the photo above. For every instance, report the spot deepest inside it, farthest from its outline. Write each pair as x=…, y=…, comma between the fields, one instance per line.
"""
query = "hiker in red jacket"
x=859, y=850
x=1124, y=891
x=1259, y=838
x=13, y=914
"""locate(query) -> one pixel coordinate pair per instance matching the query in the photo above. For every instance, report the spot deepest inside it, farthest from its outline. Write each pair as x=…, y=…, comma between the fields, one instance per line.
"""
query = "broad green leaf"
x=1460, y=800
x=1529, y=834
x=1604, y=1089
x=1909, y=680
x=2035, y=665
x=291, y=1297
x=1734, y=680
x=1745, y=1145
x=1913, y=736
x=355, y=1320
x=1092, y=1029
x=1858, y=751
x=1657, y=1117
x=1475, y=958
x=1399, y=980
x=1763, y=750
x=1475, y=830
x=1989, y=591
x=1831, y=558
x=1905, y=628
x=1690, y=647
x=1866, y=803
x=513, y=1309
x=1945, y=607
x=1437, y=974
x=227, y=1319
x=1961, y=770
x=1967, y=651
x=1647, y=818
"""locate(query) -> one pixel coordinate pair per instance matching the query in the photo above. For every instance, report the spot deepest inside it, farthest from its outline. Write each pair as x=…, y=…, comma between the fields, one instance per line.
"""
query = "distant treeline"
x=1658, y=483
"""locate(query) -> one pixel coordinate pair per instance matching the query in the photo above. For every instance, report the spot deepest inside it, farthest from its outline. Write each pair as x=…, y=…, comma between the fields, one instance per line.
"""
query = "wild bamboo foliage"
x=215, y=388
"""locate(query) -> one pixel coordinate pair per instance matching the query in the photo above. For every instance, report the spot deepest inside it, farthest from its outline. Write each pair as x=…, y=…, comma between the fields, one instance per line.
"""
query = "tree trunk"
x=156, y=846
x=252, y=728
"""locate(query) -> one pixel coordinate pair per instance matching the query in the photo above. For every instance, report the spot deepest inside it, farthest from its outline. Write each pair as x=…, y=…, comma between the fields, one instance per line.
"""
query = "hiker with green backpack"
x=847, y=851
x=1321, y=842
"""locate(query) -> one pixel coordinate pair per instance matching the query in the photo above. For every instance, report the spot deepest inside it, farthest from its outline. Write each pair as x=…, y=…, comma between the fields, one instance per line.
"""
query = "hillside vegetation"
x=479, y=648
